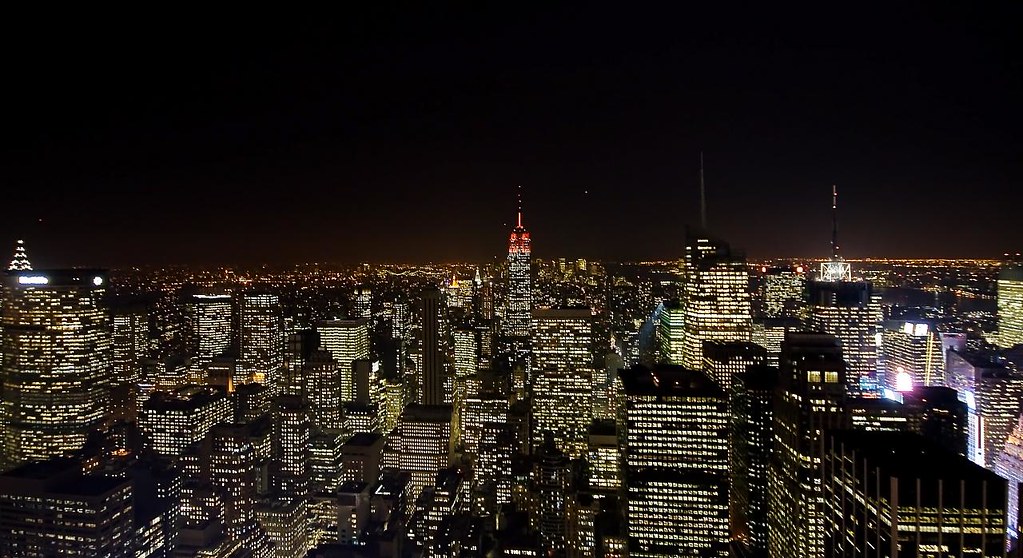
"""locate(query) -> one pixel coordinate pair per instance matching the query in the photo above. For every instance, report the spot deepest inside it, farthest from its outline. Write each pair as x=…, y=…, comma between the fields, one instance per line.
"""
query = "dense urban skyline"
x=402, y=134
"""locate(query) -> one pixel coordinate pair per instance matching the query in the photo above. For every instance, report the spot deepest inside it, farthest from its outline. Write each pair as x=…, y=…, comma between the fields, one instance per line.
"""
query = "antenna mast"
x=703, y=198
x=834, y=222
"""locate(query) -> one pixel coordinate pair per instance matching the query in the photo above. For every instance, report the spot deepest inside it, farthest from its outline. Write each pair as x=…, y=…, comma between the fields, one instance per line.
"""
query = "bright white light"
x=97, y=280
x=903, y=381
x=33, y=280
x=892, y=394
x=920, y=330
x=907, y=328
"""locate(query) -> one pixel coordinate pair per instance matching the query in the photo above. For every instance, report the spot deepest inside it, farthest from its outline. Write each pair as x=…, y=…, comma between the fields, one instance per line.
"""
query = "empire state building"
x=520, y=302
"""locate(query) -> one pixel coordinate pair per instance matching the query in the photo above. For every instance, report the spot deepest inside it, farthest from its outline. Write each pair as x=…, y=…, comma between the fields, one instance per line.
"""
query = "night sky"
x=401, y=134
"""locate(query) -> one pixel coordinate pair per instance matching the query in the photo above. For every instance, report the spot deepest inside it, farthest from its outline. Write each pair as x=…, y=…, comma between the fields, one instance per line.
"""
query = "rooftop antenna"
x=520, y=206
x=703, y=197
x=834, y=222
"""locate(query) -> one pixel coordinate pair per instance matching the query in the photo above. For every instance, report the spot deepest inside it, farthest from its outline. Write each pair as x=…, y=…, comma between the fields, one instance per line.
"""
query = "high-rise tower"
x=716, y=302
x=1010, y=303
x=56, y=361
x=520, y=304
x=20, y=261
x=850, y=311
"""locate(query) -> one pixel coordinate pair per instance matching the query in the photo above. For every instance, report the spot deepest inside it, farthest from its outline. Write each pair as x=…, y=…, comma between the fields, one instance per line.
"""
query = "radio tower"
x=835, y=269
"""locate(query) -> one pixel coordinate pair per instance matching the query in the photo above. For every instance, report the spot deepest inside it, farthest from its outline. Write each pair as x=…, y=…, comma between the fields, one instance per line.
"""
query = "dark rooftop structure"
x=665, y=380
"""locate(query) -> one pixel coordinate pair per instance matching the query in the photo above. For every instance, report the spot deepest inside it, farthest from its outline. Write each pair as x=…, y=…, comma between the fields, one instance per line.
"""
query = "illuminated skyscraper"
x=210, y=316
x=723, y=360
x=420, y=444
x=898, y=494
x=364, y=302
x=751, y=440
x=677, y=462
x=51, y=509
x=670, y=333
x=715, y=297
x=323, y=389
x=346, y=341
x=129, y=348
x=20, y=261
x=993, y=393
x=170, y=422
x=782, y=292
x=808, y=402
x=292, y=431
x=562, y=386
x=466, y=351
x=56, y=362
x=847, y=310
x=549, y=489
x=1009, y=465
x=520, y=298
x=1010, y=304
x=913, y=356
x=262, y=339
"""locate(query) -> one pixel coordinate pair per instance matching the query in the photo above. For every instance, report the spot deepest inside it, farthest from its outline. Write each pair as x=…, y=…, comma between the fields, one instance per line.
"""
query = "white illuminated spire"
x=20, y=261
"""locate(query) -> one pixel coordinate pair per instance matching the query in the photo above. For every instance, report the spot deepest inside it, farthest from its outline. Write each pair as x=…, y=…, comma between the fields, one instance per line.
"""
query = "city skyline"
x=402, y=135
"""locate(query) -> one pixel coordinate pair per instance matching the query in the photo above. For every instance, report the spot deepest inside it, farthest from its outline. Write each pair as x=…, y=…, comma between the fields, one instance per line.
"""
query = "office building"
x=670, y=333
x=782, y=292
x=210, y=315
x=364, y=302
x=56, y=362
x=346, y=341
x=808, y=402
x=50, y=508
x=770, y=332
x=849, y=311
x=420, y=445
x=751, y=443
x=431, y=375
x=293, y=424
x=913, y=356
x=724, y=359
x=896, y=494
x=172, y=421
x=20, y=260
x=520, y=285
x=562, y=384
x=992, y=393
x=676, y=429
x=262, y=339
x=604, y=457
x=1009, y=466
x=715, y=297
x=549, y=490
x=1010, y=304
x=323, y=389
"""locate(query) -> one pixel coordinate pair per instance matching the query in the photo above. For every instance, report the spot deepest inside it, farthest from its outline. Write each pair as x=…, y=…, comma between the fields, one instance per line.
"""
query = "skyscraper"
x=56, y=362
x=993, y=393
x=848, y=310
x=716, y=299
x=751, y=443
x=782, y=292
x=520, y=303
x=677, y=462
x=897, y=494
x=420, y=444
x=170, y=422
x=431, y=377
x=723, y=360
x=262, y=338
x=1009, y=465
x=913, y=356
x=20, y=261
x=670, y=332
x=346, y=341
x=51, y=509
x=210, y=316
x=1010, y=304
x=562, y=386
x=808, y=402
